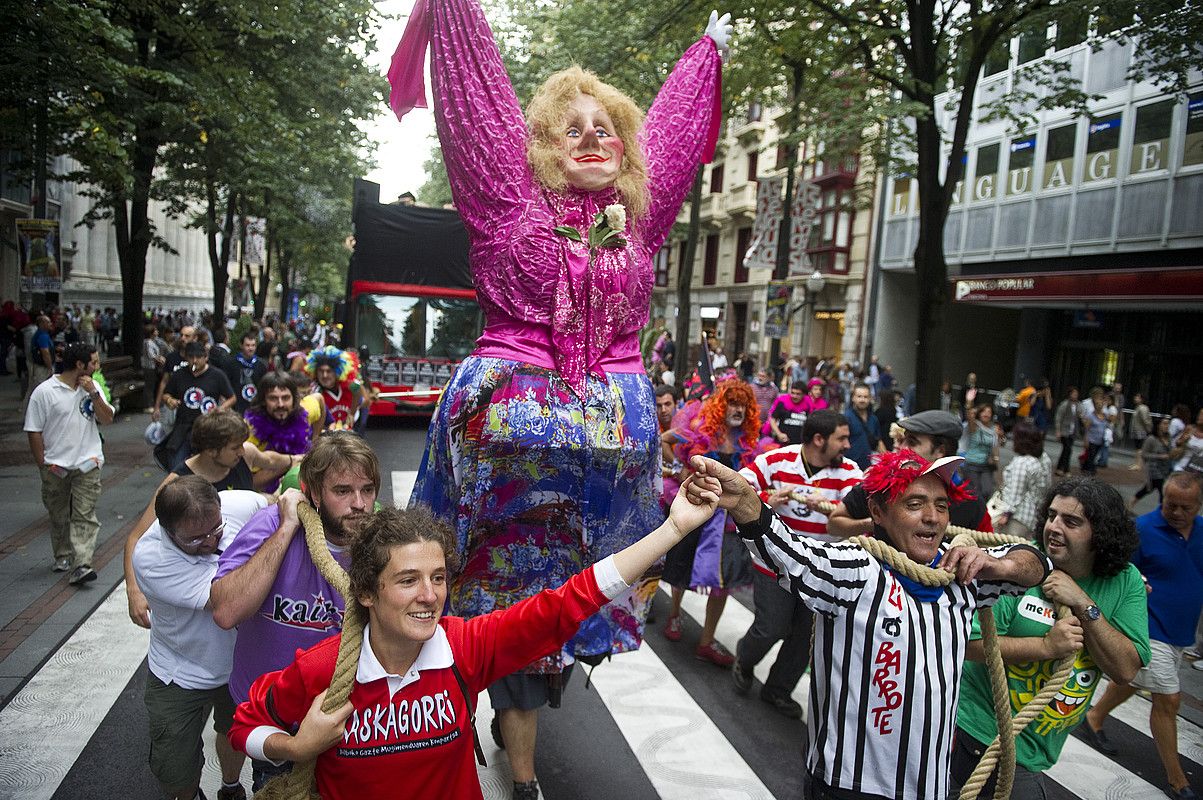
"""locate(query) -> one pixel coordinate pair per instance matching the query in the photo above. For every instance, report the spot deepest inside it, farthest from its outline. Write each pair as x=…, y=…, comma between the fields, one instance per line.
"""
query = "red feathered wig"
x=893, y=473
x=711, y=422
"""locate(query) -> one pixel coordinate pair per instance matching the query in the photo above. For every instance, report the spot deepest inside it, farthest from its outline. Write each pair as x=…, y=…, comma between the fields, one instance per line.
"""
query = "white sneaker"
x=1197, y=665
x=1192, y=652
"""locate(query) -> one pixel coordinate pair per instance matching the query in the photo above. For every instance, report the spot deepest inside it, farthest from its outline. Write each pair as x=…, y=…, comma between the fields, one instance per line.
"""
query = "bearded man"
x=281, y=421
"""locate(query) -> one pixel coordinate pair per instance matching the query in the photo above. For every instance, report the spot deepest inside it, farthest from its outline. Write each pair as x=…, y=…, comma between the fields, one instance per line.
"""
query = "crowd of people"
x=341, y=644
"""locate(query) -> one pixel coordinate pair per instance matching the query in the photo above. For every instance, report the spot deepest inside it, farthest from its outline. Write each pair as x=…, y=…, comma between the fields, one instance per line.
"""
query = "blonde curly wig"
x=545, y=120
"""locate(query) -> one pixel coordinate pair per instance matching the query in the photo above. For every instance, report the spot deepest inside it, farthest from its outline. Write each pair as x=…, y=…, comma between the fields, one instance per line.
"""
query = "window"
x=1102, y=144
x=743, y=239
x=754, y=112
x=1019, y=165
x=986, y=172
x=1109, y=23
x=1151, y=137
x=662, y=262
x=782, y=157
x=1033, y=44
x=1059, y=157
x=998, y=58
x=710, y=268
x=1071, y=28
x=831, y=232
x=1192, y=143
x=684, y=247
x=900, y=202
x=716, y=178
x=753, y=165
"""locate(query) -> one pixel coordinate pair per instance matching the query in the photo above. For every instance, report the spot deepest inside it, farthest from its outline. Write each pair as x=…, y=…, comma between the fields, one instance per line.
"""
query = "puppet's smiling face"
x=590, y=149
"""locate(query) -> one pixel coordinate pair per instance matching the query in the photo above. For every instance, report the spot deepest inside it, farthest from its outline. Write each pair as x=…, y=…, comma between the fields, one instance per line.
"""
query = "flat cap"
x=933, y=423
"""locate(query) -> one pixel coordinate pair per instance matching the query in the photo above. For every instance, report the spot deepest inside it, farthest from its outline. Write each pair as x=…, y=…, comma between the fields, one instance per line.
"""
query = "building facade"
x=727, y=298
x=1075, y=247
x=179, y=279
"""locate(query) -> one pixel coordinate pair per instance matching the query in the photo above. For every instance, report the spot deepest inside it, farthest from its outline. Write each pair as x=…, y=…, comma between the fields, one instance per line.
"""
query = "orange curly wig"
x=711, y=422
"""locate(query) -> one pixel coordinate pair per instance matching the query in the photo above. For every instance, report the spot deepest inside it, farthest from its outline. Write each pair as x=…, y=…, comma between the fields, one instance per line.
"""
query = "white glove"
x=719, y=29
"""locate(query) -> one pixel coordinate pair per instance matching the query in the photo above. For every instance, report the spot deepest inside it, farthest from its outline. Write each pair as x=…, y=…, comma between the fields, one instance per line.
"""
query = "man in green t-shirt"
x=1089, y=537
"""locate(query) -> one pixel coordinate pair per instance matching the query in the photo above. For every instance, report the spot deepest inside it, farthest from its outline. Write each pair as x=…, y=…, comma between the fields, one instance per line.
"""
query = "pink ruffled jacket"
x=543, y=302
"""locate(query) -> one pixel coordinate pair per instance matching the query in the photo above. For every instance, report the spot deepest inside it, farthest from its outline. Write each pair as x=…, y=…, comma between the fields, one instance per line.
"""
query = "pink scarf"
x=405, y=73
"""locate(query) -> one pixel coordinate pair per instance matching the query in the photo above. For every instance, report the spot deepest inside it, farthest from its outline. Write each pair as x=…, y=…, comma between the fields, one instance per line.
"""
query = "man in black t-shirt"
x=174, y=362
x=191, y=392
x=788, y=421
x=244, y=370
x=932, y=435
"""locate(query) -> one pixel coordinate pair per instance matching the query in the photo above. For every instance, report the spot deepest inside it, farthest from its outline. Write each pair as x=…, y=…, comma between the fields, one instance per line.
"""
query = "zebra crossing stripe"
x=70, y=696
x=682, y=752
x=403, y=486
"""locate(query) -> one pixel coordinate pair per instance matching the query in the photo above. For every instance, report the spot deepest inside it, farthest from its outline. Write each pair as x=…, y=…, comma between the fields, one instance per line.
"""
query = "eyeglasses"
x=213, y=534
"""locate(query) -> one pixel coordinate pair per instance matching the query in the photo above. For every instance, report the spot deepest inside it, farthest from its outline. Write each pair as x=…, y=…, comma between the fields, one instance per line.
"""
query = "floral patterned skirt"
x=540, y=485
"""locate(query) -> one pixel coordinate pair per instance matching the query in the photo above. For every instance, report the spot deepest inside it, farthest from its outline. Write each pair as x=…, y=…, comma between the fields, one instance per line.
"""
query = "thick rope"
x=299, y=784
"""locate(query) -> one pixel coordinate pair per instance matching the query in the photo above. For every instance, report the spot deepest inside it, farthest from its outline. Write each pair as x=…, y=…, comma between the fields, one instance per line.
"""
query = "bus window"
x=417, y=327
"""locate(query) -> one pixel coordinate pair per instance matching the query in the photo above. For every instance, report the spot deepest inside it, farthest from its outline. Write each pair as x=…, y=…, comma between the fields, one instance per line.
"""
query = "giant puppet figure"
x=544, y=446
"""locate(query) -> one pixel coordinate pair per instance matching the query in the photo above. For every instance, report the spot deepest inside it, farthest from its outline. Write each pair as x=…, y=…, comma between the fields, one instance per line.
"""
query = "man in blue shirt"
x=41, y=351
x=864, y=430
x=1170, y=557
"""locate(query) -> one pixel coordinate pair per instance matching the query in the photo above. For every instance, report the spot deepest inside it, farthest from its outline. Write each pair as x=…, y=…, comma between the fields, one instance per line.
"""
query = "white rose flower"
x=616, y=217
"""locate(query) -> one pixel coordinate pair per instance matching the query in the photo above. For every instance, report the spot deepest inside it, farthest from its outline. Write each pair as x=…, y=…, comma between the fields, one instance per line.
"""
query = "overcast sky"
x=402, y=146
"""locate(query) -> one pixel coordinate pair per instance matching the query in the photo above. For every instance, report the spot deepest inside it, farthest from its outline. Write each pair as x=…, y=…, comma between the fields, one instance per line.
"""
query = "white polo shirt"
x=67, y=421
x=187, y=647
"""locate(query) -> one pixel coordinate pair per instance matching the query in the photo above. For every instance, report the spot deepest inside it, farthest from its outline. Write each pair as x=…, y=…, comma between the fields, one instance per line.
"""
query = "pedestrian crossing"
x=678, y=742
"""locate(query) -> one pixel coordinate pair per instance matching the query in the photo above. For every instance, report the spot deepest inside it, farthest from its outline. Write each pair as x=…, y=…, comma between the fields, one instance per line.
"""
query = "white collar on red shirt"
x=435, y=654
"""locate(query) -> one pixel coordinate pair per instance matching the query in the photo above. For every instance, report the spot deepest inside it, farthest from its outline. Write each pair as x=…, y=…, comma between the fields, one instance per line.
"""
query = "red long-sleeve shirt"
x=411, y=735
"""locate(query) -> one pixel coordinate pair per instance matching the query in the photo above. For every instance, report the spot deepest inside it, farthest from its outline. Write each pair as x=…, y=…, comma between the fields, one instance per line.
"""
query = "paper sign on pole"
x=802, y=217
x=762, y=253
x=776, y=309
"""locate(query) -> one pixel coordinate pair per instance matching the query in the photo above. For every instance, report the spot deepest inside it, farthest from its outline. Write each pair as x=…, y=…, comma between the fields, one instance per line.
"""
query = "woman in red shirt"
x=409, y=717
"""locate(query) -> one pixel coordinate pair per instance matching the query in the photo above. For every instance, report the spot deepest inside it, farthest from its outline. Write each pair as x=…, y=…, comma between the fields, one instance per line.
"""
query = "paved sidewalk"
x=39, y=610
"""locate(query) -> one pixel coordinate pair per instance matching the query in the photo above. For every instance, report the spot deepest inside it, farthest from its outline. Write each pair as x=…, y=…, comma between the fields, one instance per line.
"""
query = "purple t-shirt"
x=300, y=610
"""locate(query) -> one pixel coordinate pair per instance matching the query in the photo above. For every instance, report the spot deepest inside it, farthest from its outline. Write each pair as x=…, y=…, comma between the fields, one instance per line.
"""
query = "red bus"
x=411, y=308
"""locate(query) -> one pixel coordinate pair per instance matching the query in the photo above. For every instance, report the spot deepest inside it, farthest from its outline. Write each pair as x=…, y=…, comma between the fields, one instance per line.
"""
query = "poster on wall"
x=776, y=309
x=762, y=252
x=39, y=255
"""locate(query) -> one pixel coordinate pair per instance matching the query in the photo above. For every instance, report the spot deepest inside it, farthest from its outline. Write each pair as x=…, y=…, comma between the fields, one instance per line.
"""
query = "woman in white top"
x=1026, y=481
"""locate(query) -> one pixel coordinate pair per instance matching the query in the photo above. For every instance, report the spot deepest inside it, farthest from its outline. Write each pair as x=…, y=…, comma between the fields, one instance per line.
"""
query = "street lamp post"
x=814, y=285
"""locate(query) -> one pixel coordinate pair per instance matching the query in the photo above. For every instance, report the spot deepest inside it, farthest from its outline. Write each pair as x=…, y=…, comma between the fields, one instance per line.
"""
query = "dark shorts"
x=177, y=720
x=524, y=691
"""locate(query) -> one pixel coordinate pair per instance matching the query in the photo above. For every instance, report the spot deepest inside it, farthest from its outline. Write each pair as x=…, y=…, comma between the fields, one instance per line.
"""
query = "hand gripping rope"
x=1001, y=752
x=299, y=784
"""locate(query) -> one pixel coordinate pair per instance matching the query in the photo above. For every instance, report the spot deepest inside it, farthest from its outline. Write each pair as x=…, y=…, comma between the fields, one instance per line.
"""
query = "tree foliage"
x=216, y=108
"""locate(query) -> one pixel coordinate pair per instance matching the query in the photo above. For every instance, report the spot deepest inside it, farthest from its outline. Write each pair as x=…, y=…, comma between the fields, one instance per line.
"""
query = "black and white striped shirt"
x=886, y=668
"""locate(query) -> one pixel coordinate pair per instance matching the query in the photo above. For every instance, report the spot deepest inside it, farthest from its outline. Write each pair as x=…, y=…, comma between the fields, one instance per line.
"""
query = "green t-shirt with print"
x=1121, y=599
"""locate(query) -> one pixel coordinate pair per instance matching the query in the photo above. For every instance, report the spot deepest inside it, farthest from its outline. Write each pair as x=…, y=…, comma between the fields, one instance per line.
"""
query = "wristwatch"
x=1092, y=613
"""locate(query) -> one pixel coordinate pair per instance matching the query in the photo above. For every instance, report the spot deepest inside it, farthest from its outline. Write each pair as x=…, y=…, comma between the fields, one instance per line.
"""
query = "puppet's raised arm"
x=680, y=133
x=480, y=123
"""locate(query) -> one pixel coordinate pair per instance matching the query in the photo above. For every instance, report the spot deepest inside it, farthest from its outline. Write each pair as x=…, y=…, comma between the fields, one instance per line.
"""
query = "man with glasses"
x=190, y=656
